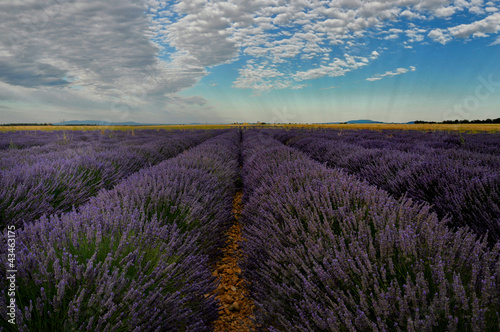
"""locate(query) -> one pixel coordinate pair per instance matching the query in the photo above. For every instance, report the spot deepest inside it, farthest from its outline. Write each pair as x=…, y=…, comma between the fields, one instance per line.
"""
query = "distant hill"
x=364, y=121
x=354, y=121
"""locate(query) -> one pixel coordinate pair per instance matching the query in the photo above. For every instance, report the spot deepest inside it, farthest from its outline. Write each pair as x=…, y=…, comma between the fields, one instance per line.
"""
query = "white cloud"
x=409, y=15
x=260, y=78
x=299, y=86
x=415, y=34
x=440, y=36
x=445, y=11
x=266, y=76
x=392, y=36
x=336, y=68
x=490, y=24
x=476, y=10
x=203, y=36
x=398, y=71
x=496, y=42
x=331, y=87
x=311, y=74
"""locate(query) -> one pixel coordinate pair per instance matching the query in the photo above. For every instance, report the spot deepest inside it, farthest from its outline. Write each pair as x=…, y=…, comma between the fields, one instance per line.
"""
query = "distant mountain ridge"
x=364, y=121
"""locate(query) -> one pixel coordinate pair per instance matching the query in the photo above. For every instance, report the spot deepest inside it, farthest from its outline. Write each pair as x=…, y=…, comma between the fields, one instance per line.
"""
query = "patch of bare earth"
x=236, y=308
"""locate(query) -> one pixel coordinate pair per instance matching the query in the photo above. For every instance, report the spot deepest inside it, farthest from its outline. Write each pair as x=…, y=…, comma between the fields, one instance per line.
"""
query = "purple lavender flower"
x=327, y=252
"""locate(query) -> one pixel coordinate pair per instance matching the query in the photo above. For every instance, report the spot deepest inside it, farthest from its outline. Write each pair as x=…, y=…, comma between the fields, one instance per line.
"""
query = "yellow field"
x=421, y=127
x=376, y=126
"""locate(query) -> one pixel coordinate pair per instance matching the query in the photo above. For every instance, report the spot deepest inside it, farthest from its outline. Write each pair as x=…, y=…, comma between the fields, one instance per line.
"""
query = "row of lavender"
x=327, y=252
x=136, y=257
x=26, y=139
x=74, y=143
x=19, y=140
x=54, y=182
x=460, y=183
x=412, y=140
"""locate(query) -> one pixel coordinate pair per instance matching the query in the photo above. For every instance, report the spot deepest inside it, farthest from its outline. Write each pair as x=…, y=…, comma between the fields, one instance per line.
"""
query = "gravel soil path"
x=236, y=311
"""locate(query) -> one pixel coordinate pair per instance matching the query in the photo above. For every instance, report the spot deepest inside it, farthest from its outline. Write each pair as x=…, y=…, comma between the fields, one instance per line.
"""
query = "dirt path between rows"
x=236, y=309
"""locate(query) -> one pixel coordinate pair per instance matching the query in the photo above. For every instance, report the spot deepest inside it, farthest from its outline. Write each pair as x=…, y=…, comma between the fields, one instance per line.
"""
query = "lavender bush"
x=89, y=142
x=326, y=252
x=55, y=185
x=92, y=271
x=460, y=183
x=25, y=139
x=135, y=257
x=193, y=190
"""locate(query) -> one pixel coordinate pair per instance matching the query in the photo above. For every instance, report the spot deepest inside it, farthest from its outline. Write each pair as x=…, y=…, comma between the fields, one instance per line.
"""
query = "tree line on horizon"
x=497, y=120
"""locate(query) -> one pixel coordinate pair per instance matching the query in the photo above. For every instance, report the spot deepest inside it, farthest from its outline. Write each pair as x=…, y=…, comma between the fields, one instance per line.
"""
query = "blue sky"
x=246, y=61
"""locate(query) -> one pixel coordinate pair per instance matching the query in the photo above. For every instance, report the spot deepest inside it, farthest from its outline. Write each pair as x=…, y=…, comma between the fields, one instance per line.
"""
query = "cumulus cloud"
x=374, y=55
x=415, y=34
x=409, y=15
x=490, y=24
x=338, y=67
x=445, y=11
x=398, y=71
x=203, y=31
x=260, y=78
x=440, y=36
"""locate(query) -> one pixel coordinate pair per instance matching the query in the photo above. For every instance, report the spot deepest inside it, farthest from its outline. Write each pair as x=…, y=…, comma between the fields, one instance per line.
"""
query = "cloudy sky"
x=249, y=60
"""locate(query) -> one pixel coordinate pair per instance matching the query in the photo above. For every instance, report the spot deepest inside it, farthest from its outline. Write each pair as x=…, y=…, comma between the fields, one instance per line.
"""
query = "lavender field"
x=342, y=230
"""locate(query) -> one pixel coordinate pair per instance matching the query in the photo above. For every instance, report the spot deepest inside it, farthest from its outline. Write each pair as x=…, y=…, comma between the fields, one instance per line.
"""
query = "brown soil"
x=236, y=310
